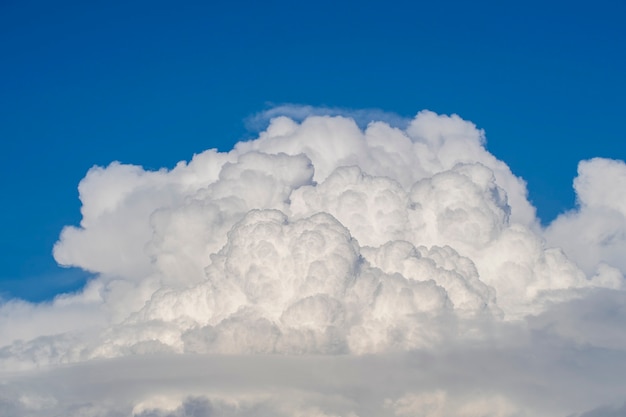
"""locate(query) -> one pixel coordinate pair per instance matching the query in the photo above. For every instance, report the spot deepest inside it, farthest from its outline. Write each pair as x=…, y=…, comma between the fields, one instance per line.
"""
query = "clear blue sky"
x=152, y=82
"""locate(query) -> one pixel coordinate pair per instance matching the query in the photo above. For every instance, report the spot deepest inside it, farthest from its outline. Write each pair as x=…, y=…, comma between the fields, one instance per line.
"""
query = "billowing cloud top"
x=347, y=252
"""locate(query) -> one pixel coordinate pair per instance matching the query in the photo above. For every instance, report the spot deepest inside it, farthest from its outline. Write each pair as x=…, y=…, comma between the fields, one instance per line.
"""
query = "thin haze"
x=338, y=264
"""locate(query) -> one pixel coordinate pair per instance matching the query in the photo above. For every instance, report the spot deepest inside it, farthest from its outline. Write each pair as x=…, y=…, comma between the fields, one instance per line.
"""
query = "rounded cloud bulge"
x=325, y=239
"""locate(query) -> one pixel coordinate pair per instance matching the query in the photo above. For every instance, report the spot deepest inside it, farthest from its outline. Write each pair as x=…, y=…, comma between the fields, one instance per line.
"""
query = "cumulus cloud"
x=594, y=234
x=332, y=266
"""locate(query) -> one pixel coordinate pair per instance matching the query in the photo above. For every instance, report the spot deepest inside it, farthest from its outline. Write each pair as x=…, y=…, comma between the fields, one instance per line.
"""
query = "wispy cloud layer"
x=347, y=264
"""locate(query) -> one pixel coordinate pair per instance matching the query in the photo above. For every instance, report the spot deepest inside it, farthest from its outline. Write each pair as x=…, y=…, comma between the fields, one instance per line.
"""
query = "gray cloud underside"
x=526, y=375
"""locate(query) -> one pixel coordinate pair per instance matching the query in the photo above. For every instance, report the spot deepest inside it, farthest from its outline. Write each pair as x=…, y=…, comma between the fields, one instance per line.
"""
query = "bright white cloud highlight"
x=595, y=233
x=382, y=269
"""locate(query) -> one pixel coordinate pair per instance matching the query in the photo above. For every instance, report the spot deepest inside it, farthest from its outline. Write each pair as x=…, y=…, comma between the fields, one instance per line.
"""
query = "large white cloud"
x=329, y=267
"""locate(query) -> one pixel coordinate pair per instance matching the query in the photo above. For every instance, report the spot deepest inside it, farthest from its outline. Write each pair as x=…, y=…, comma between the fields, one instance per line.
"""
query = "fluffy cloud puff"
x=595, y=232
x=326, y=237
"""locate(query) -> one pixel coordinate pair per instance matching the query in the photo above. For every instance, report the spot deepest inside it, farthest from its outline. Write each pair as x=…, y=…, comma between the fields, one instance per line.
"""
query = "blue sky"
x=151, y=83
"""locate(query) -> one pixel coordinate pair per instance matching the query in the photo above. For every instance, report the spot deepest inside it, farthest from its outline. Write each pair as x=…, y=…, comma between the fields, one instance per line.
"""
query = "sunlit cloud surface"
x=339, y=264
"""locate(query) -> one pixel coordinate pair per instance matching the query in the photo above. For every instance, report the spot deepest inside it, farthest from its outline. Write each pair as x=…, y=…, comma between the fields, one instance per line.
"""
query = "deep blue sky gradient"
x=152, y=82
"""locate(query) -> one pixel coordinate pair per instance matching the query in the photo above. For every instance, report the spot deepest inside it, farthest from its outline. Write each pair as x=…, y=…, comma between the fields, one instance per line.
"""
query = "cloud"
x=332, y=266
x=594, y=234
x=606, y=411
x=299, y=113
